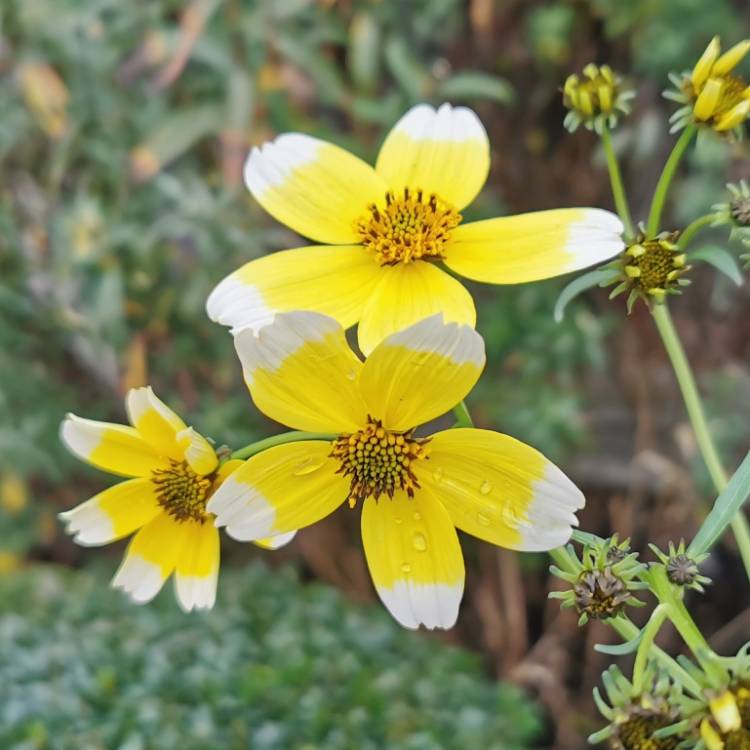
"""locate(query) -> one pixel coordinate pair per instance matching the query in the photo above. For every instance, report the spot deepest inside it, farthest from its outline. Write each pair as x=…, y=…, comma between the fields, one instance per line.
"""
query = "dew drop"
x=406, y=568
x=485, y=488
x=483, y=520
x=307, y=466
x=398, y=520
x=437, y=475
x=417, y=515
x=419, y=542
x=351, y=374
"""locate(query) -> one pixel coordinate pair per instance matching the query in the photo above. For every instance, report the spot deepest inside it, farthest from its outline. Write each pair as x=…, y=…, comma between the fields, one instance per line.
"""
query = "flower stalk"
x=292, y=436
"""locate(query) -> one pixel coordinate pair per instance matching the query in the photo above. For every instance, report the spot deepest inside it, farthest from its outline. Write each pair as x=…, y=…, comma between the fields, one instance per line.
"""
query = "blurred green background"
x=123, y=129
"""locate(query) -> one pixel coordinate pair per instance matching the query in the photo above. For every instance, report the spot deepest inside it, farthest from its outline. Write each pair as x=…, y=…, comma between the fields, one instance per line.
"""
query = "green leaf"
x=619, y=649
x=727, y=505
x=721, y=259
x=471, y=84
x=580, y=285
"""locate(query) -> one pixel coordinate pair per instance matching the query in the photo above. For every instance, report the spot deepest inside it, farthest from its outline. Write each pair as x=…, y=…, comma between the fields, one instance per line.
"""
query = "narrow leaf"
x=721, y=259
x=580, y=285
x=471, y=84
x=619, y=649
x=727, y=505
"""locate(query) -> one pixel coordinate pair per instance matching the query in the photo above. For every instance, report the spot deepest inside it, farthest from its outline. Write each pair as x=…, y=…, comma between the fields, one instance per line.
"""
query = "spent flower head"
x=682, y=570
x=735, y=213
x=596, y=98
x=712, y=94
x=603, y=581
x=650, y=268
x=634, y=714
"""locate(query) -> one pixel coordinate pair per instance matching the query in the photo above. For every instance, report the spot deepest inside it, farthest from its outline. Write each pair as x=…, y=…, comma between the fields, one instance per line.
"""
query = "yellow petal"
x=154, y=420
x=711, y=738
x=112, y=447
x=314, y=187
x=198, y=452
x=708, y=99
x=301, y=372
x=112, y=514
x=335, y=281
x=414, y=559
x=152, y=557
x=275, y=542
x=419, y=373
x=408, y=293
x=702, y=69
x=198, y=567
x=442, y=151
x=736, y=116
x=500, y=489
x=533, y=246
x=731, y=58
x=280, y=490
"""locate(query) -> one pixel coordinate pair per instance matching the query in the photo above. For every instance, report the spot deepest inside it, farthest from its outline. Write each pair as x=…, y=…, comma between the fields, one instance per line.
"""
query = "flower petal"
x=197, y=451
x=408, y=293
x=314, y=187
x=335, y=281
x=198, y=567
x=703, y=67
x=112, y=514
x=443, y=151
x=421, y=372
x=414, y=558
x=734, y=116
x=280, y=490
x=731, y=58
x=154, y=420
x=533, y=246
x=276, y=542
x=112, y=447
x=151, y=557
x=708, y=99
x=500, y=489
x=301, y=372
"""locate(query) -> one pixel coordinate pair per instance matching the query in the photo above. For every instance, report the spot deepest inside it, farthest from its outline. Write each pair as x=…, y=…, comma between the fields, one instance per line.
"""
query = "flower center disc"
x=732, y=90
x=409, y=227
x=181, y=492
x=379, y=461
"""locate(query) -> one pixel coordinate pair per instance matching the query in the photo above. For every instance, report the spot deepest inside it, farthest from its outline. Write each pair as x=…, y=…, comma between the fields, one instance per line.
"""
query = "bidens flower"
x=413, y=490
x=596, y=99
x=713, y=96
x=175, y=472
x=385, y=232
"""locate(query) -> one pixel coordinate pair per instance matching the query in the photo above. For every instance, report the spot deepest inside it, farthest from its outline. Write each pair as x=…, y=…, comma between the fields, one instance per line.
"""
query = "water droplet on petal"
x=437, y=475
x=485, y=488
x=398, y=520
x=307, y=466
x=406, y=568
x=483, y=520
x=351, y=374
x=417, y=515
x=419, y=542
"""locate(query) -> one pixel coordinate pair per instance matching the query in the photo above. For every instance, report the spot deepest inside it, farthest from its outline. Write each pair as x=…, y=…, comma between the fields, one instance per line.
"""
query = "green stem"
x=692, y=399
x=618, y=189
x=463, y=418
x=665, y=181
x=693, y=228
x=286, y=437
x=646, y=643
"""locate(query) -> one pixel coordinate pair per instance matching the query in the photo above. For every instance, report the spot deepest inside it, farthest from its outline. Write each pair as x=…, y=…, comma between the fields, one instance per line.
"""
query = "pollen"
x=410, y=226
x=379, y=461
x=181, y=492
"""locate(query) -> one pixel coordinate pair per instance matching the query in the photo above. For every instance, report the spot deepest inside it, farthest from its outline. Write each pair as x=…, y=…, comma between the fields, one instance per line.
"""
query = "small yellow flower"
x=596, y=99
x=175, y=471
x=383, y=234
x=713, y=95
x=413, y=490
x=46, y=96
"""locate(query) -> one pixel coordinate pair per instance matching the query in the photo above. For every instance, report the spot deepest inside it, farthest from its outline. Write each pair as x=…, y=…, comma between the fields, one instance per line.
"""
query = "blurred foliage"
x=276, y=665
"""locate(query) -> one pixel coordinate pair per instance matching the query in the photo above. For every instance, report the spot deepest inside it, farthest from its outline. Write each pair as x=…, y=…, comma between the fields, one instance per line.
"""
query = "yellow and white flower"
x=713, y=95
x=384, y=232
x=174, y=472
x=414, y=491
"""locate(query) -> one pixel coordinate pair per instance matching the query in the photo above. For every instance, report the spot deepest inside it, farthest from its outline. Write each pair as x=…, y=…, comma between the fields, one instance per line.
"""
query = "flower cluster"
x=596, y=98
x=382, y=235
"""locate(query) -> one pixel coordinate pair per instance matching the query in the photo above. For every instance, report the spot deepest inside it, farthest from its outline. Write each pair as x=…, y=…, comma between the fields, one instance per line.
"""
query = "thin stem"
x=646, y=643
x=463, y=418
x=665, y=181
x=285, y=437
x=694, y=407
x=693, y=228
x=615, y=178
